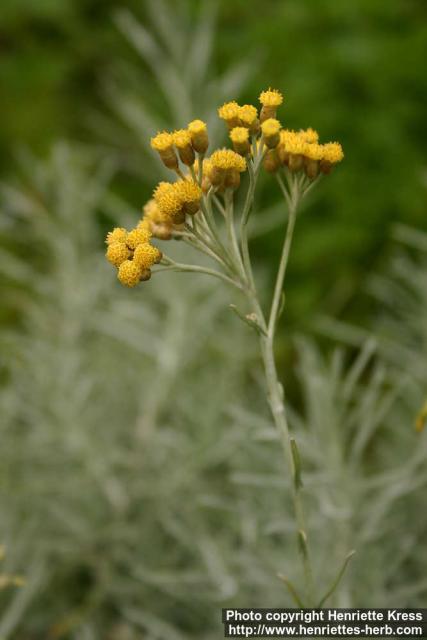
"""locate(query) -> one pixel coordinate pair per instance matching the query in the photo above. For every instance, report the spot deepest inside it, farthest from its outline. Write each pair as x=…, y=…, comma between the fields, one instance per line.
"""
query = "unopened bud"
x=199, y=136
x=271, y=161
x=312, y=168
x=232, y=180
x=296, y=162
x=145, y=275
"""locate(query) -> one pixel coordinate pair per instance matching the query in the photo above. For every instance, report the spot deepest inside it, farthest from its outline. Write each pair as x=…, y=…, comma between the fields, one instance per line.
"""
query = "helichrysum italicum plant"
x=199, y=208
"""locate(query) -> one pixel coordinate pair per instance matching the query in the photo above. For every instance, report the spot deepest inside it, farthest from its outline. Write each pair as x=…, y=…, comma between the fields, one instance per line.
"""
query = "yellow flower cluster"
x=237, y=116
x=301, y=151
x=255, y=135
x=296, y=150
x=181, y=144
x=132, y=253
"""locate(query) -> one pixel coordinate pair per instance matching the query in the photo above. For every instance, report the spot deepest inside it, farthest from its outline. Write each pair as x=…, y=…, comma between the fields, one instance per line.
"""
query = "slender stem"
x=231, y=230
x=275, y=394
x=294, y=201
x=171, y=265
x=192, y=241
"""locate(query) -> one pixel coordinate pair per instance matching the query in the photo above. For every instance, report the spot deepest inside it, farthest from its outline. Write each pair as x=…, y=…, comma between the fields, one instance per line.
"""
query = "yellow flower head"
x=169, y=202
x=332, y=152
x=294, y=143
x=239, y=135
x=181, y=138
x=163, y=141
x=225, y=159
x=129, y=273
x=116, y=235
x=270, y=130
x=187, y=190
x=138, y=236
x=310, y=135
x=146, y=255
x=230, y=113
x=248, y=115
x=196, y=127
x=271, y=162
x=240, y=138
x=189, y=194
x=271, y=98
x=199, y=135
x=117, y=252
x=313, y=151
x=152, y=213
x=144, y=225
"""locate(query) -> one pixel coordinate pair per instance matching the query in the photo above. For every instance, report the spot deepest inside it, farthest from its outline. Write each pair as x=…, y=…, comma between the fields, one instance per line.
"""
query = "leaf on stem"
x=250, y=319
x=337, y=579
x=293, y=592
x=302, y=543
x=297, y=465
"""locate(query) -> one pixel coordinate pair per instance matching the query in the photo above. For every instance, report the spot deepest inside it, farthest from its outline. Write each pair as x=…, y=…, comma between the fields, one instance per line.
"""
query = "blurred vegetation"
x=141, y=482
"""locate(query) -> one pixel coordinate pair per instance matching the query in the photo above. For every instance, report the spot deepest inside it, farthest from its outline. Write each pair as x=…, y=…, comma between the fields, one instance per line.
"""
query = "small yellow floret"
x=313, y=151
x=190, y=195
x=188, y=190
x=162, y=189
x=332, y=152
x=117, y=252
x=116, y=235
x=271, y=98
x=229, y=111
x=199, y=135
x=294, y=143
x=227, y=159
x=270, y=127
x=181, y=138
x=248, y=115
x=239, y=135
x=144, y=225
x=138, y=236
x=310, y=135
x=129, y=273
x=196, y=127
x=163, y=141
x=168, y=201
x=152, y=213
x=146, y=255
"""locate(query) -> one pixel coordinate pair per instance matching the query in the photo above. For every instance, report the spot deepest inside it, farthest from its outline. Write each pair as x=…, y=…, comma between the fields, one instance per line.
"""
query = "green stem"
x=274, y=388
x=171, y=265
x=284, y=259
x=231, y=230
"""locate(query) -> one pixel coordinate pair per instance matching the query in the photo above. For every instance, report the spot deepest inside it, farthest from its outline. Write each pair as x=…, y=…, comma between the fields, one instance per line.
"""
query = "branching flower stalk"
x=199, y=209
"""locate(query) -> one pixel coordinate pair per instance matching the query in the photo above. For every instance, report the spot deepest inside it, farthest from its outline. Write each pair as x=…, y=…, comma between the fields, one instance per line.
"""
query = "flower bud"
x=232, y=180
x=270, y=100
x=296, y=162
x=271, y=132
x=240, y=138
x=182, y=140
x=271, y=161
x=163, y=144
x=145, y=275
x=199, y=136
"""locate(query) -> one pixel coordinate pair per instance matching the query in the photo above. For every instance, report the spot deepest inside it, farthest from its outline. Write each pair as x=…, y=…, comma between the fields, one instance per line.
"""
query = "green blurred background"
x=141, y=482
